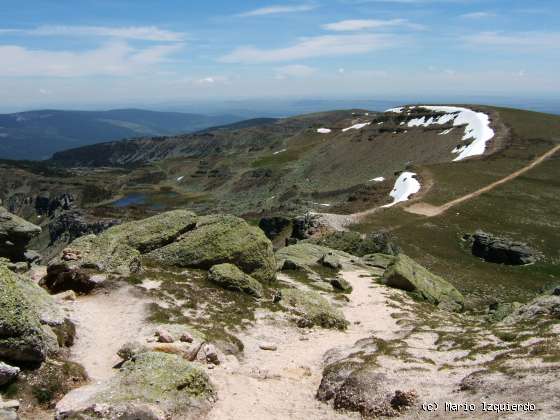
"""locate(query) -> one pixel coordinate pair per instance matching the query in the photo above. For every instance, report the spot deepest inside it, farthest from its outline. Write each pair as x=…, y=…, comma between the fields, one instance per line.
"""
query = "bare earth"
x=104, y=323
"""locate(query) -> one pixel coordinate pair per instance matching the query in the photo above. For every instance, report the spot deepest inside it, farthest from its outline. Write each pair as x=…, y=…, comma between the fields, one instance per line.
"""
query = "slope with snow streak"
x=477, y=127
x=356, y=127
x=405, y=186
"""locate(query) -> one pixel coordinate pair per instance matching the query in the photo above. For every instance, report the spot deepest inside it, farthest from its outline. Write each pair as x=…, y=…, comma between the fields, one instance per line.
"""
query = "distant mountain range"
x=36, y=135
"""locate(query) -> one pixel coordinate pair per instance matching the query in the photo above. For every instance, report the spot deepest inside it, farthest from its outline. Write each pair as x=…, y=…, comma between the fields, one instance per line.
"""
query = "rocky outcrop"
x=230, y=277
x=312, y=309
x=15, y=234
x=543, y=307
x=406, y=274
x=152, y=386
x=72, y=224
x=311, y=225
x=8, y=374
x=276, y=228
x=356, y=244
x=353, y=382
x=47, y=206
x=501, y=250
x=221, y=239
x=22, y=338
x=117, y=250
x=32, y=325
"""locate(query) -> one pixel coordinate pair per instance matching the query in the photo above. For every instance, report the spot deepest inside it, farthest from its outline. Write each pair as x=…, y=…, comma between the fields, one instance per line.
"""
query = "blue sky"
x=119, y=51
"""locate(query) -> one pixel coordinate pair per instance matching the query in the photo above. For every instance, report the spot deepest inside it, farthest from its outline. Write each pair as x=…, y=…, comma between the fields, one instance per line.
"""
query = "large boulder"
x=152, y=386
x=406, y=274
x=115, y=251
x=219, y=239
x=276, y=228
x=312, y=309
x=232, y=278
x=22, y=338
x=15, y=234
x=500, y=250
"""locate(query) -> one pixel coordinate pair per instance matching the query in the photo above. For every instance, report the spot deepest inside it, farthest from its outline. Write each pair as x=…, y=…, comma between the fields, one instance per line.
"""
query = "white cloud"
x=518, y=40
x=278, y=9
x=145, y=33
x=294, y=70
x=211, y=80
x=478, y=15
x=115, y=59
x=363, y=24
x=319, y=46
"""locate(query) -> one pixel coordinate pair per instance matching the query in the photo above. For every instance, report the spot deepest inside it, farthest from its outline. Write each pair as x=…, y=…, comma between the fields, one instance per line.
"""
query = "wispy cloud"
x=294, y=70
x=478, y=15
x=278, y=9
x=363, y=24
x=517, y=40
x=319, y=46
x=144, y=33
x=114, y=59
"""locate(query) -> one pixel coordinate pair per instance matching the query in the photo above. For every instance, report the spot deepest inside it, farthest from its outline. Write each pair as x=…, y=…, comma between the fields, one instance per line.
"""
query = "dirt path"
x=104, y=323
x=429, y=210
x=282, y=384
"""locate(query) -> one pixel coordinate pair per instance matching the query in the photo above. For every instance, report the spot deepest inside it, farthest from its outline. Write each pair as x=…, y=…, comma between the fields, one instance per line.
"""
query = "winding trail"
x=340, y=222
x=429, y=210
x=282, y=384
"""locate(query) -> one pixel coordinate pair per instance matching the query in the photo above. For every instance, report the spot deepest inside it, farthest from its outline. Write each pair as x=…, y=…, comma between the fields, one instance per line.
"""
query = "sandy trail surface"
x=282, y=384
x=104, y=322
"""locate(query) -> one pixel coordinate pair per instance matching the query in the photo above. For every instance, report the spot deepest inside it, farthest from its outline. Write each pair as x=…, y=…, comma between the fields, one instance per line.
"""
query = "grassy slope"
x=526, y=209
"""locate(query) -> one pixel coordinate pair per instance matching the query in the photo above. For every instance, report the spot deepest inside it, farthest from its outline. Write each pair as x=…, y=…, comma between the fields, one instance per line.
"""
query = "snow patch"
x=398, y=110
x=405, y=186
x=378, y=179
x=279, y=151
x=324, y=130
x=180, y=178
x=356, y=127
x=445, y=132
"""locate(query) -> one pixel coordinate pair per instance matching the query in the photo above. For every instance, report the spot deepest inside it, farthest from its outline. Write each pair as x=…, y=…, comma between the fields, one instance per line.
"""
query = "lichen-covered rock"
x=15, y=234
x=117, y=250
x=219, y=239
x=232, y=278
x=378, y=260
x=356, y=244
x=545, y=306
x=341, y=284
x=305, y=256
x=21, y=335
x=152, y=386
x=330, y=261
x=406, y=274
x=312, y=309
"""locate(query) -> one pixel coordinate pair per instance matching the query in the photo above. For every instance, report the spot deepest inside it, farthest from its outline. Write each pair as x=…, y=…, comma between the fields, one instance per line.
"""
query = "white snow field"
x=324, y=130
x=356, y=127
x=477, y=127
x=279, y=151
x=405, y=186
x=378, y=179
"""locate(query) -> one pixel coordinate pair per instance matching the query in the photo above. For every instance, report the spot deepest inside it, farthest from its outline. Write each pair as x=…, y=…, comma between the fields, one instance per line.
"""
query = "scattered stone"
x=268, y=346
x=62, y=277
x=69, y=254
x=341, y=284
x=8, y=373
x=378, y=260
x=546, y=306
x=164, y=336
x=208, y=354
x=232, y=278
x=68, y=295
x=501, y=250
x=360, y=245
x=186, y=338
